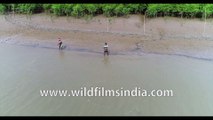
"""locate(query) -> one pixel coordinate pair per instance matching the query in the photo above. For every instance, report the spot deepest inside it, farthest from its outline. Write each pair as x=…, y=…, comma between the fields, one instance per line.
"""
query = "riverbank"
x=167, y=35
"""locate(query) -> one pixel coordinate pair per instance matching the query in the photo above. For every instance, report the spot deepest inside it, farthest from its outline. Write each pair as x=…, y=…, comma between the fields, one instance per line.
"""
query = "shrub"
x=108, y=9
x=2, y=9
x=90, y=9
x=58, y=9
x=26, y=8
x=78, y=10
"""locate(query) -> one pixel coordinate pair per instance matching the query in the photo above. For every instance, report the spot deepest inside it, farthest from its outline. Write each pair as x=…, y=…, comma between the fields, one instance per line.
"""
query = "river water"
x=25, y=70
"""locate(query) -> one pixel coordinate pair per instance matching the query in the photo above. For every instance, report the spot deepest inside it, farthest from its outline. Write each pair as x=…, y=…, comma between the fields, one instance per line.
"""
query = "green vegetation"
x=24, y=8
x=2, y=9
x=109, y=10
x=180, y=10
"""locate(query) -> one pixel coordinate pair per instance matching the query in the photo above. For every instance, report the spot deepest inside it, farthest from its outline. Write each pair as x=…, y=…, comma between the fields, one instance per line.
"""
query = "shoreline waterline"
x=137, y=52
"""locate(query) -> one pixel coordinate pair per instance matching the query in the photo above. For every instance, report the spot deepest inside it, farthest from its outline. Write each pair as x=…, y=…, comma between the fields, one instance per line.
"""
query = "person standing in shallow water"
x=106, y=49
x=59, y=44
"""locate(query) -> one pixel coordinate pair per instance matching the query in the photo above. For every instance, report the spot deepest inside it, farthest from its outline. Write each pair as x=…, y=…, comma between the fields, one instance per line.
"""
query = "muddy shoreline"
x=125, y=36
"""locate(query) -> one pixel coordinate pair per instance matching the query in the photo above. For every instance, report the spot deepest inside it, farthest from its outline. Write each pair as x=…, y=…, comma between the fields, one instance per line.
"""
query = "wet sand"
x=173, y=36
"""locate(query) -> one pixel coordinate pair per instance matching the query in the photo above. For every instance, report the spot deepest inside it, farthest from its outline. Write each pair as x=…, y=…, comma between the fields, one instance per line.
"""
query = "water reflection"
x=106, y=60
x=61, y=54
x=191, y=81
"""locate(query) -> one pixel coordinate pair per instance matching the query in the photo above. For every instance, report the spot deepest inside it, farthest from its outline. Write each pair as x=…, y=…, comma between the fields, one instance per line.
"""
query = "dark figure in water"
x=59, y=44
x=106, y=50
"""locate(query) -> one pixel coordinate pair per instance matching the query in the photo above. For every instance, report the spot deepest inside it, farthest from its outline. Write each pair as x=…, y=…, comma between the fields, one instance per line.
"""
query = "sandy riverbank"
x=166, y=35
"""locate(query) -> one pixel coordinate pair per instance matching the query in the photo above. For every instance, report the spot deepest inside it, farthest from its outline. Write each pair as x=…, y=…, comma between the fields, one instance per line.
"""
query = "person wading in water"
x=59, y=43
x=106, y=50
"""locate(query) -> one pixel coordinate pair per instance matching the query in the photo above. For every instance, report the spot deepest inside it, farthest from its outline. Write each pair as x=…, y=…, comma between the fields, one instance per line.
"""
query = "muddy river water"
x=24, y=71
